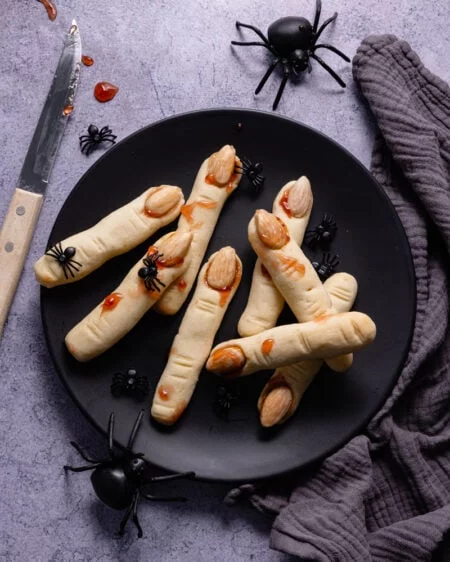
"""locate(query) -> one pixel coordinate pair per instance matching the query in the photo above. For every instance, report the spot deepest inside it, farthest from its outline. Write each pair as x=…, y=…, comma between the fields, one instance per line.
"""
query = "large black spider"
x=252, y=171
x=293, y=42
x=130, y=384
x=149, y=273
x=119, y=479
x=90, y=142
x=323, y=233
x=65, y=259
x=327, y=266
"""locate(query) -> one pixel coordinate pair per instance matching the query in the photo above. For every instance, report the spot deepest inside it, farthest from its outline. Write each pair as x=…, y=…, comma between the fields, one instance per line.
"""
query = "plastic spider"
x=65, y=259
x=323, y=233
x=225, y=399
x=130, y=384
x=252, y=171
x=327, y=266
x=91, y=141
x=119, y=479
x=149, y=273
x=293, y=42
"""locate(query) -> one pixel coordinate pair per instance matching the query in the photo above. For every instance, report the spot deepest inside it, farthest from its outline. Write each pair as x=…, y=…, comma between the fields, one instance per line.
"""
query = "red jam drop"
x=68, y=110
x=267, y=346
x=104, y=91
x=164, y=393
x=284, y=203
x=87, y=61
x=111, y=301
x=52, y=12
x=181, y=285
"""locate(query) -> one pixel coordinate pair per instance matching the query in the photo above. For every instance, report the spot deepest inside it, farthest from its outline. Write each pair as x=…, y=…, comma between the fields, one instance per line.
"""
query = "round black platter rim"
x=239, y=115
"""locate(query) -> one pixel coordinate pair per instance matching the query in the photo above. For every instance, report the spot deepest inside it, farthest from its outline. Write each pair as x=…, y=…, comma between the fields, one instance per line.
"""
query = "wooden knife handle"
x=15, y=240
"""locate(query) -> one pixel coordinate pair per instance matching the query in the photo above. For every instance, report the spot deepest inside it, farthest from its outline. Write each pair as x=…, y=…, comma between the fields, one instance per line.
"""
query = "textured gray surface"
x=167, y=57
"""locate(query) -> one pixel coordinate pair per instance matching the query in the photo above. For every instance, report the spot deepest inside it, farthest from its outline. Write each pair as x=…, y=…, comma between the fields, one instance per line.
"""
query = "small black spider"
x=149, y=273
x=323, y=233
x=91, y=141
x=131, y=384
x=119, y=479
x=65, y=259
x=327, y=266
x=225, y=399
x=293, y=42
x=252, y=171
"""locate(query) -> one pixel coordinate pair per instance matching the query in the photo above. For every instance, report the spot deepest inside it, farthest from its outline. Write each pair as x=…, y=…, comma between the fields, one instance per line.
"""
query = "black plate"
x=370, y=242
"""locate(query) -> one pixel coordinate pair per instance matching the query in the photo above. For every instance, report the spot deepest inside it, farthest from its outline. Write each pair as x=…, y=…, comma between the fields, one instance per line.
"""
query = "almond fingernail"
x=276, y=405
x=227, y=360
x=221, y=165
x=271, y=230
x=162, y=200
x=300, y=197
x=222, y=269
x=174, y=248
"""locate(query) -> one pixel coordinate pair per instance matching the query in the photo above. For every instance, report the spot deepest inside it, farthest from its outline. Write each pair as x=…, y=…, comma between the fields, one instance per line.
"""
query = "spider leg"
x=172, y=477
x=266, y=76
x=111, y=434
x=124, y=521
x=80, y=468
x=324, y=25
x=64, y=266
x=82, y=453
x=72, y=269
x=104, y=129
x=112, y=139
x=135, y=430
x=163, y=499
x=255, y=44
x=135, y=515
x=52, y=252
x=258, y=32
x=160, y=282
x=328, y=69
x=317, y=15
x=58, y=247
x=286, y=73
x=331, y=48
x=84, y=138
x=91, y=147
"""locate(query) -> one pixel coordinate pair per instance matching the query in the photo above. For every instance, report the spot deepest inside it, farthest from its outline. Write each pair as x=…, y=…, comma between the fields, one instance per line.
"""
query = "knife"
x=23, y=212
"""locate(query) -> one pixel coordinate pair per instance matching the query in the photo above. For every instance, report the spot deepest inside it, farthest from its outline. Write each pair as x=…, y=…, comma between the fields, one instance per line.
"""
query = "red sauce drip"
x=52, y=12
x=68, y=110
x=210, y=179
x=231, y=183
x=267, y=346
x=265, y=272
x=181, y=285
x=104, y=91
x=164, y=392
x=284, y=203
x=292, y=263
x=111, y=301
x=169, y=262
x=87, y=61
x=187, y=210
x=224, y=294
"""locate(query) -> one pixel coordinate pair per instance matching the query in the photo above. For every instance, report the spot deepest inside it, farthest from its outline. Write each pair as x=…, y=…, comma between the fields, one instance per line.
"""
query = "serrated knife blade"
x=25, y=206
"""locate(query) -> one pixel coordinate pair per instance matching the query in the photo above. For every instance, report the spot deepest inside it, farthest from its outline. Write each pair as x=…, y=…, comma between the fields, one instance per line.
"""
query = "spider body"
x=130, y=384
x=95, y=137
x=65, y=259
x=118, y=480
x=293, y=42
x=323, y=233
x=149, y=273
x=327, y=266
x=252, y=171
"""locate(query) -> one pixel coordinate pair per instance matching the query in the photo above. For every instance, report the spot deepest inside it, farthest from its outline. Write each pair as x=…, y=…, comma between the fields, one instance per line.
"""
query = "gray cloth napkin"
x=386, y=494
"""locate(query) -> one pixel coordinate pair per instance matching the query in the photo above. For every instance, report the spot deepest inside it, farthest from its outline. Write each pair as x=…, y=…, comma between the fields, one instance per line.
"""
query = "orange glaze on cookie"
x=186, y=210
x=267, y=346
x=111, y=301
x=291, y=264
x=284, y=203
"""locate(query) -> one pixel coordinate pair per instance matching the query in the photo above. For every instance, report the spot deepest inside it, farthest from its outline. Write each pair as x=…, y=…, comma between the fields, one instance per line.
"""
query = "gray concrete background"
x=167, y=57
